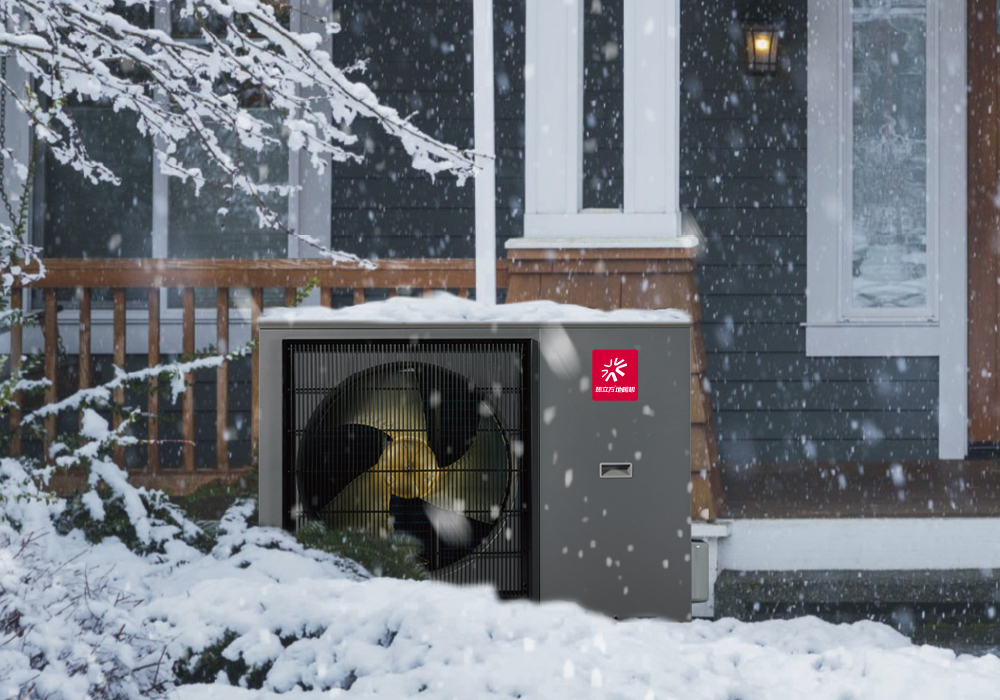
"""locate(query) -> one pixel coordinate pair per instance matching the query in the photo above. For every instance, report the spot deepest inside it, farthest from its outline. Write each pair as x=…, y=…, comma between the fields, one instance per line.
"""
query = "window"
x=218, y=222
x=584, y=59
x=886, y=189
x=890, y=245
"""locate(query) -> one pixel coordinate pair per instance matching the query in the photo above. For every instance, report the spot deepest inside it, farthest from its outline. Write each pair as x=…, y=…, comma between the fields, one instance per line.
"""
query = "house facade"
x=831, y=225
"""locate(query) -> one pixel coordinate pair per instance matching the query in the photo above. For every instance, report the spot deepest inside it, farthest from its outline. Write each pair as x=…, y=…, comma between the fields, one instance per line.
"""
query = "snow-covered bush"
x=66, y=629
x=394, y=556
x=102, y=513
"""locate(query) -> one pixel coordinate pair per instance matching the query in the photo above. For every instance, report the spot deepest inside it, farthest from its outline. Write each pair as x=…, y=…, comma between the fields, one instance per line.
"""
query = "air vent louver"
x=424, y=438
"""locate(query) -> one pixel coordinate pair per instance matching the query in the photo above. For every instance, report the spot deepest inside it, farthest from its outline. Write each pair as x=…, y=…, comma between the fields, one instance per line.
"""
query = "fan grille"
x=396, y=434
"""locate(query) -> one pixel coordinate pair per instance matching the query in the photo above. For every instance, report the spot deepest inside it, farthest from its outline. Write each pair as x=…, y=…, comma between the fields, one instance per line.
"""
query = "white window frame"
x=313, y=187
x=554, y=212
x=833, y=327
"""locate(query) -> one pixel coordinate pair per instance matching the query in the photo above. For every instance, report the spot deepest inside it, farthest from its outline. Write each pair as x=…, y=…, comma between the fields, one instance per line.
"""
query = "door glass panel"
x=889, y=213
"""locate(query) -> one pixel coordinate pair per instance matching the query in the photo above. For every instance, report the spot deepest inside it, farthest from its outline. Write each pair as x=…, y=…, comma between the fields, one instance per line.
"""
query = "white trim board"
x=553, y=139
x=941, y=330
x=599, y=243
x=867, y=544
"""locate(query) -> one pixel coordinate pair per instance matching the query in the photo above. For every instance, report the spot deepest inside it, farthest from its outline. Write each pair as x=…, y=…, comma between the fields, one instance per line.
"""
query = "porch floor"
x=865, y=490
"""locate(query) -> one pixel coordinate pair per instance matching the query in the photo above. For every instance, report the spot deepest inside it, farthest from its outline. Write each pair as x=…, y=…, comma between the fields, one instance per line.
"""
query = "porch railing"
x=84, y=276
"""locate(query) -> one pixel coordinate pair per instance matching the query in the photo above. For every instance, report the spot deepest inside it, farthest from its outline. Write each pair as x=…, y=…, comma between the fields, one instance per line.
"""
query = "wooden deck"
x=931, y=489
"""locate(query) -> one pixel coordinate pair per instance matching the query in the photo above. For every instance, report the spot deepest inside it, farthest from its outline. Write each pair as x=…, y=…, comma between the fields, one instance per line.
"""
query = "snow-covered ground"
x=77, y=619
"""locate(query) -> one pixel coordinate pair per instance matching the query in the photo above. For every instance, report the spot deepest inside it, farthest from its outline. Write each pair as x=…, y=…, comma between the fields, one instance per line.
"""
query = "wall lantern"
x=762, y=48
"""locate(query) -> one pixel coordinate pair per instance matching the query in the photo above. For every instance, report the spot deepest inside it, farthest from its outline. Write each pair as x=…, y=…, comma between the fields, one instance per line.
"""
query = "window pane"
x=889, y=154
x=184, y=25
x=222, y=223
x=603, y=104
x=81, y=220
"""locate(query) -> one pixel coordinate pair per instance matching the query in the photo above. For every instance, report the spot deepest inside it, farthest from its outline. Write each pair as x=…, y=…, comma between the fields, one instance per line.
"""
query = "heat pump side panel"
x=269, y=454
x=616, y=544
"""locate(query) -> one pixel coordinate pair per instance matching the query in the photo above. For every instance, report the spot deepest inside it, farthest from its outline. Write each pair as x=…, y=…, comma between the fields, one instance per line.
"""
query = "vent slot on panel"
x=427, y=439
x=616, y=470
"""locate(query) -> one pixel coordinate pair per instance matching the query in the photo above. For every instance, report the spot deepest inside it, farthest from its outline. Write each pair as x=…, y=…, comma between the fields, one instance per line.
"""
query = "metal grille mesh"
x=427, y=438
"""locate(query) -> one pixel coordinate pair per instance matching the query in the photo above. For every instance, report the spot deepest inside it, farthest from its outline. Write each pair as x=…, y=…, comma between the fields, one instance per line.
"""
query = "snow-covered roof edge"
x=442, y=308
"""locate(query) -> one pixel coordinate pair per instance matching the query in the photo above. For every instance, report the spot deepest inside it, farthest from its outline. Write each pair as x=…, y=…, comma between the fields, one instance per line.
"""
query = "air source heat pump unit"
x=540, y=448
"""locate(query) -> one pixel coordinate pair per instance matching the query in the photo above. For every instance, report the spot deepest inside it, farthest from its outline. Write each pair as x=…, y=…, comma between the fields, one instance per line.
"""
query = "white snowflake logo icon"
x=613, y=370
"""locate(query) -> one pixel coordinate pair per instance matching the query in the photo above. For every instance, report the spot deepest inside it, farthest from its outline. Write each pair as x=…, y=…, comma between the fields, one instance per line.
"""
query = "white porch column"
x=485, y=140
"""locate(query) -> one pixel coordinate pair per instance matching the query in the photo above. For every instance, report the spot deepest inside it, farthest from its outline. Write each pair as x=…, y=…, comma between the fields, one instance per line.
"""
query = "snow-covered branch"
x=101, y=395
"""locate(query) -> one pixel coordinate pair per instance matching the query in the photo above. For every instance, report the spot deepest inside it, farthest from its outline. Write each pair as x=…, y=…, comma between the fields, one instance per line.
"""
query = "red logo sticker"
x=615, y=375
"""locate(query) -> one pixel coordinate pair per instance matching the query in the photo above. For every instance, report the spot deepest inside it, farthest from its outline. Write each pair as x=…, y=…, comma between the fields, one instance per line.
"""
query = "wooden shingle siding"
x=743, y=174
x=420, y=62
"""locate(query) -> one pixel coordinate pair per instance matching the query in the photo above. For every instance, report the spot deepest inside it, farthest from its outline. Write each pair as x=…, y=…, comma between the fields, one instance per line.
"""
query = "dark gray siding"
x=420, y=62
x=743, y=173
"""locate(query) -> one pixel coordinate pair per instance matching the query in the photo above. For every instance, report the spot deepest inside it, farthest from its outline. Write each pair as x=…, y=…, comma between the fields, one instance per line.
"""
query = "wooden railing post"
x=326, y=297
x=119, y=358
x=257, y=304
x=51, y=355
x=152, y=425
x=84, y=378
x=222, y=380
x=187, y=412
x=16, y=337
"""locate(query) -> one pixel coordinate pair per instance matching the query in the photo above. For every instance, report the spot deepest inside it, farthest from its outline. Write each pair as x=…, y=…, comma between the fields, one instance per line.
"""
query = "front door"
x=984, y=226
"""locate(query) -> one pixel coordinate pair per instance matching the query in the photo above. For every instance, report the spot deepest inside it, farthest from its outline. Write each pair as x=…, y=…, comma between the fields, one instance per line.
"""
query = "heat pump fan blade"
x=476, y=483
x=362, y=505
x=332, y=456
x=390, y=402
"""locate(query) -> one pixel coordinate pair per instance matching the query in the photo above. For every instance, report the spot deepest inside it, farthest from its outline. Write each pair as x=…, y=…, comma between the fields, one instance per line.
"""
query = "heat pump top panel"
x=447, y=310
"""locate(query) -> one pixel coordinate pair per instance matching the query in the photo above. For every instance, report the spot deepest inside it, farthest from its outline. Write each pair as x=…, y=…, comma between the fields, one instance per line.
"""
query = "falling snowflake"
x=613, y=370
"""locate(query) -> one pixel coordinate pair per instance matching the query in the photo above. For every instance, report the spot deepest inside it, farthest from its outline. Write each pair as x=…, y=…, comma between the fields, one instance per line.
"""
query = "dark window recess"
x=421, y=66
x=220, y=222
x=424, y=439
x=75, y=218
x=603, y=105
x=78, y=219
